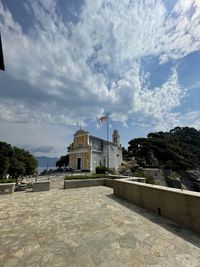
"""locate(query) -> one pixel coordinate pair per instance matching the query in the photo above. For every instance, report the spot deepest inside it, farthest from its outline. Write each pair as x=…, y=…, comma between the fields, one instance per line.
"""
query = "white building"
x=88, y=151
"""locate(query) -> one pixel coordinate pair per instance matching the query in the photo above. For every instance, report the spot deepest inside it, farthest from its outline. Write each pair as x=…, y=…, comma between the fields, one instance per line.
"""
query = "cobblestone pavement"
x=88, y=227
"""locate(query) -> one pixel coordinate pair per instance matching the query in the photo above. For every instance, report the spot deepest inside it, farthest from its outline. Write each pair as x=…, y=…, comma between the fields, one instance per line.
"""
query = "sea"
x=41, y=169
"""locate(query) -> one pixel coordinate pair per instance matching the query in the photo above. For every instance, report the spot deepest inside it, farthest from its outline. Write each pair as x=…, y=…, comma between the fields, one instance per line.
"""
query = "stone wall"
x=96, y=143
x=178, y=205
x=97, y=157
x=115, y=156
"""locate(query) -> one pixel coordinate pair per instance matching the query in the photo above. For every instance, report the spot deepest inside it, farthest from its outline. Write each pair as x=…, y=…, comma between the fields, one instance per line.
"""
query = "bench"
x=7, y=188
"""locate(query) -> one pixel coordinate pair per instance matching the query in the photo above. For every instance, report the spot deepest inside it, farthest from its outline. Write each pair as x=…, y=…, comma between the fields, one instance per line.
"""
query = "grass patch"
x=86, y=176
x=3, y=181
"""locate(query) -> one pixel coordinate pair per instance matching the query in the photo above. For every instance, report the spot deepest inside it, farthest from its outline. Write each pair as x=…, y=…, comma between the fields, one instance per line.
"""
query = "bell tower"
x=116, y=137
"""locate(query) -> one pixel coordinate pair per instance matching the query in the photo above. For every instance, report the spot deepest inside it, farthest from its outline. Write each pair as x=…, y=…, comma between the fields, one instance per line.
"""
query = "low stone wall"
x=41, y=186
x=7, y=188
x=108, y=181
x=175, y=204
x=83, y=183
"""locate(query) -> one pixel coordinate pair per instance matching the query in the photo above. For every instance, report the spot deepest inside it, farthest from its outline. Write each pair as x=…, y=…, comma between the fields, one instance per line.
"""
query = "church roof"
x=80, y=131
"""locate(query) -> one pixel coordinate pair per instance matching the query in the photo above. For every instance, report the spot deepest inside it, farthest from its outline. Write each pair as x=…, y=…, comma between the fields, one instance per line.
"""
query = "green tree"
x=17, y=168
x=63, y=161
x=4, y=167
x=15, y=161
x=178, y=149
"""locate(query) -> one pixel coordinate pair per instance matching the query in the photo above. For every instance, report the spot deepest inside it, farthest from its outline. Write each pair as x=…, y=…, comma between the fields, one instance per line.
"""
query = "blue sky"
x=69, y=62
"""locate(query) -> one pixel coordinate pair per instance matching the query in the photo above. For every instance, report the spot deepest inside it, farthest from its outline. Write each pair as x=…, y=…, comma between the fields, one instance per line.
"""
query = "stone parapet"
x=175, y=204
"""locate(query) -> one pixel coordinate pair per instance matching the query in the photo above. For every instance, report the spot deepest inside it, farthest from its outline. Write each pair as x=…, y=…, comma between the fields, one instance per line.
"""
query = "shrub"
x=111, y=170
x=30, y=185
x=101, y=170
x=149, y=178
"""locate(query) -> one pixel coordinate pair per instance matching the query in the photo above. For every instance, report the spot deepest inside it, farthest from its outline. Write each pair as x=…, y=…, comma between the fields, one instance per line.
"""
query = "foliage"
x=63, y=161
x=177, y=150
x=30, y=185
x=89, y=176
x=125, y=154
x=15, y=161
x=101, y=169
x=149, y=178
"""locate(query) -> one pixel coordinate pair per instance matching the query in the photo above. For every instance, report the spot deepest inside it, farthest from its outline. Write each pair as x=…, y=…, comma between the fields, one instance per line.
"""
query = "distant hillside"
x=175, y=154
x=44, y=161
x=178, y=149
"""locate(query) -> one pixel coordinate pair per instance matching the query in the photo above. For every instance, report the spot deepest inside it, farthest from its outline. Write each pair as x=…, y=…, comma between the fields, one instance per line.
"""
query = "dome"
x=80, y=131
x=115, y=132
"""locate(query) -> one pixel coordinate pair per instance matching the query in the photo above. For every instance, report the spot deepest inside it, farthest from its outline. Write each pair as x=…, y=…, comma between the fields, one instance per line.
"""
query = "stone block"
x=41, y=186
x=7, y=188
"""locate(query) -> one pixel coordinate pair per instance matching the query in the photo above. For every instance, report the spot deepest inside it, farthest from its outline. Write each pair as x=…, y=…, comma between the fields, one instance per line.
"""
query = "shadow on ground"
x=169, y=225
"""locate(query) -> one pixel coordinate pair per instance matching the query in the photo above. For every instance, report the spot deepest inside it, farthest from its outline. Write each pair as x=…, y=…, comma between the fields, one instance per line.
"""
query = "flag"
x=103, y=118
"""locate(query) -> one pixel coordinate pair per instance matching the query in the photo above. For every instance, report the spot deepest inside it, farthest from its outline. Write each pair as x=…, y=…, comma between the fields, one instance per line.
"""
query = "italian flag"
x=103, y=118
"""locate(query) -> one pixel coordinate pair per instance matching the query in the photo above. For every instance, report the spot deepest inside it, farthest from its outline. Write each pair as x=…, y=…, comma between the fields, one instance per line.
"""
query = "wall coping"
x=7, y=184
x=163, y=188
x=78, y=180
x=41, y=182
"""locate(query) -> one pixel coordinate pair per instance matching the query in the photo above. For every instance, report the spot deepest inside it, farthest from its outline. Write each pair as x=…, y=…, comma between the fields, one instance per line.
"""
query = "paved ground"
x=88, y=227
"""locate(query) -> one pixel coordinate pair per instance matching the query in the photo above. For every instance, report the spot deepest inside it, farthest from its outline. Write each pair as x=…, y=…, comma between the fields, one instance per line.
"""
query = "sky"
x=70, y=62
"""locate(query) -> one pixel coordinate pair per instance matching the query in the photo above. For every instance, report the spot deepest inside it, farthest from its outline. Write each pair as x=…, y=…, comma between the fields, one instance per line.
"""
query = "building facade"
x=88, y=151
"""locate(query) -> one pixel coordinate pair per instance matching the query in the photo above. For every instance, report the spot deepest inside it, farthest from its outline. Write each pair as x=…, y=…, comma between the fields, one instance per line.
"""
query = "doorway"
x=78, y=163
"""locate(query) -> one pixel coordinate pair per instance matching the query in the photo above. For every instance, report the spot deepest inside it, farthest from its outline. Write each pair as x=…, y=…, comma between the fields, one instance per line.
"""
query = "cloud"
x=176, y=119
x=194, y=86
x=37, y=135
x=38, y=149
x=65, y=73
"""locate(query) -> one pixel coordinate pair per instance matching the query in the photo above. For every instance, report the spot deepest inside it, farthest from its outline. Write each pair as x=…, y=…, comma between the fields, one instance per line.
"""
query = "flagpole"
x=107, y=141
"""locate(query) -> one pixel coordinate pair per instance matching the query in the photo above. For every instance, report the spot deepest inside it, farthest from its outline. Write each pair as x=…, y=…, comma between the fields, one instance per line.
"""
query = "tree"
x=63, y=161
x=125, y=153
x=17, y=168
x=4, y=167
x=15, y=161
x=178, y=149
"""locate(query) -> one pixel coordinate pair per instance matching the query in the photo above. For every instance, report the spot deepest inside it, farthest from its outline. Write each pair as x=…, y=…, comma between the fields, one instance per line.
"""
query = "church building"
x=88, y=151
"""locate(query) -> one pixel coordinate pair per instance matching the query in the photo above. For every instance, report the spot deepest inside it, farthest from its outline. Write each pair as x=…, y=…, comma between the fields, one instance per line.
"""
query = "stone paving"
x=88, y=227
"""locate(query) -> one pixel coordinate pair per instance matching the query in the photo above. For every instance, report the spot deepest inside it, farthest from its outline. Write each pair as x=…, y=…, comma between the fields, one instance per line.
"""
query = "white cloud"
x=66, y=68
x=172, y=120
x=36, y=135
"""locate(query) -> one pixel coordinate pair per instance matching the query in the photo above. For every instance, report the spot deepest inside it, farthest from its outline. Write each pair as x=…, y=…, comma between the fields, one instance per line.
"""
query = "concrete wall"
x=115, y=155
x=108, y=182
x=182, y=207
x=41, y=186
x=96, y=158
x=96, y=143
x=7, y=188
